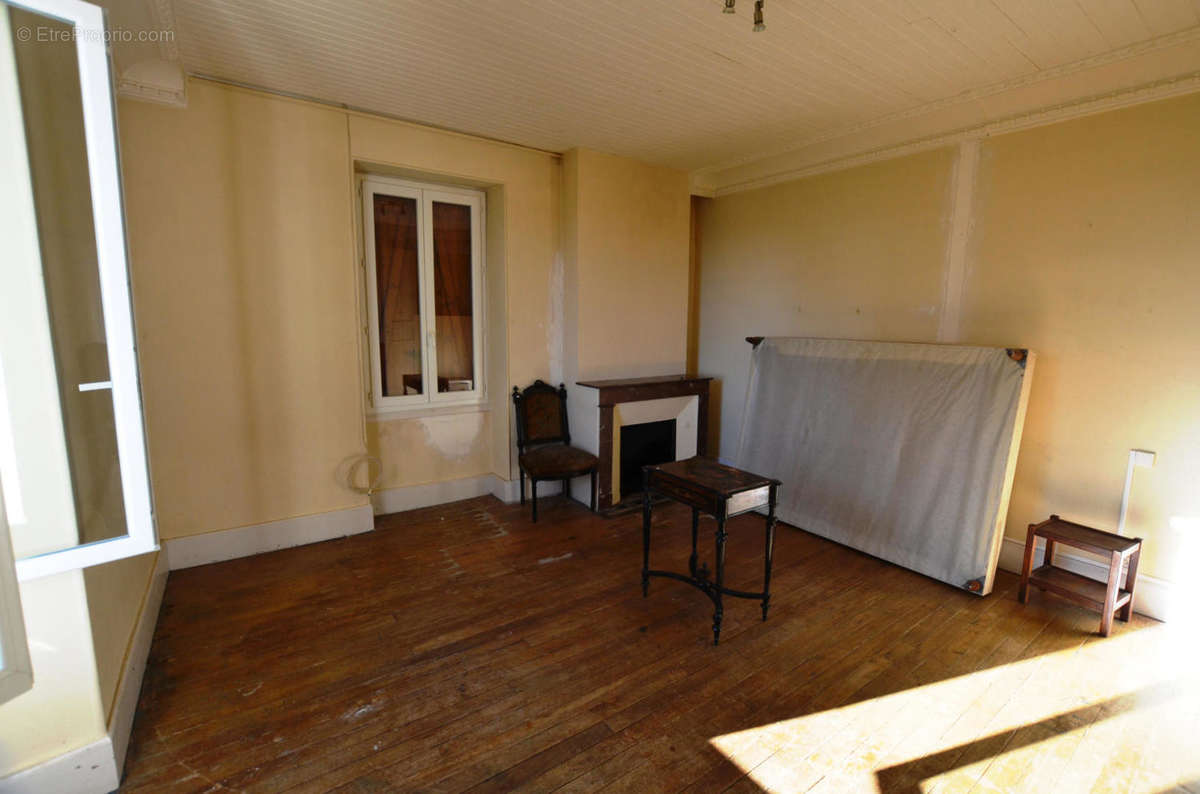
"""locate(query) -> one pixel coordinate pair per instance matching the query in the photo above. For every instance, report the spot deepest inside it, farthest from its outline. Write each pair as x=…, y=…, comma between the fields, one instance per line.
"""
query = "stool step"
x=1070, y=585
x=1081, y=537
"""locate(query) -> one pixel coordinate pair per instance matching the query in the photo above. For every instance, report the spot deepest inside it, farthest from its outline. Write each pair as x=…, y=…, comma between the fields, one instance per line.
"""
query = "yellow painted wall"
x=432, y=448
x=856, y=254
x=626, y=228
x=240, y=215
x=116, y=592
x=1087, y=249
x=521, y=245
x=693, y=322
x=1084, y=246
x=63, y=710
x=245, y=248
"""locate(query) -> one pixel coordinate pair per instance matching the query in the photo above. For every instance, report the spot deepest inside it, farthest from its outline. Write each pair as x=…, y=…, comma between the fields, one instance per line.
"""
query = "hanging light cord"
x=759, y=25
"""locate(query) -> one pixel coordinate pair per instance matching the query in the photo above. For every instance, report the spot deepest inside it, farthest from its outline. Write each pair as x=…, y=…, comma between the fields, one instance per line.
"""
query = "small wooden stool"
x=1080, y=589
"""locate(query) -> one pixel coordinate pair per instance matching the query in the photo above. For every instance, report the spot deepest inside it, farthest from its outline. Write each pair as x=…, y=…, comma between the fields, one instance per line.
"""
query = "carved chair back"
x=541, y=415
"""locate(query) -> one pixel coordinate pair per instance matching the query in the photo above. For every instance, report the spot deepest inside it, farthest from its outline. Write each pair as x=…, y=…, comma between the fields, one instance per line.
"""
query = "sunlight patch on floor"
x=1117, y=714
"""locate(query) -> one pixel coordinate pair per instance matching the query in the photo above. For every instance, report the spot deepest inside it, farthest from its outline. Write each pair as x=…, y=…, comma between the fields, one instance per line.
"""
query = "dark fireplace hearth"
x=642, y=445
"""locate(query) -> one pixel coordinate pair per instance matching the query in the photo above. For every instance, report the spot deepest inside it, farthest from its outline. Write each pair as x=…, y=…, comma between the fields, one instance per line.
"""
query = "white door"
x=75, y=473
x=74, y=482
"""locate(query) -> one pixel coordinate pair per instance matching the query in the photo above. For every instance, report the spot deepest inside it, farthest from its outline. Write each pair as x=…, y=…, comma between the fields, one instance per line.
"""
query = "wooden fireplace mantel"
x=656, y=387
x=632, y=390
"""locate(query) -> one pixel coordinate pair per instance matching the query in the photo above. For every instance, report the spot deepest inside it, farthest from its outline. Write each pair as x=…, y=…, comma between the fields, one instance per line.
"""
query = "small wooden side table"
x=722, y=492
x=1108, y=598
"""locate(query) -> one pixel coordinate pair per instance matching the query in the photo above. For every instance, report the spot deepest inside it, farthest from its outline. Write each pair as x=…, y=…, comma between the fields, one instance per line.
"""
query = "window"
x=73, y=469
x=424, y=275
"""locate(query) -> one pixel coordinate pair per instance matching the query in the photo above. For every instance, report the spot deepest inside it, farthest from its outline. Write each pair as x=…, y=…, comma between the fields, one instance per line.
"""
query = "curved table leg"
x=645, y=538
x=720, y=610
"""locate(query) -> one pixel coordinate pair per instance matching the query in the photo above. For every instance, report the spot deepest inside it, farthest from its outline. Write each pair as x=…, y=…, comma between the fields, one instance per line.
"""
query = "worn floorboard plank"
x=464, y=648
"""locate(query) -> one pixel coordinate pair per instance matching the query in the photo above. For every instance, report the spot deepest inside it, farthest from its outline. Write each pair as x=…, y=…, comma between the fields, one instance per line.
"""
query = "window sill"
x=421, y=411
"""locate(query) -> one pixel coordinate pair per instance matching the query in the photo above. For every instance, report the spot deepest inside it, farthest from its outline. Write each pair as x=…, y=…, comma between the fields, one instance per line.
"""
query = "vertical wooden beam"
x=954, y=276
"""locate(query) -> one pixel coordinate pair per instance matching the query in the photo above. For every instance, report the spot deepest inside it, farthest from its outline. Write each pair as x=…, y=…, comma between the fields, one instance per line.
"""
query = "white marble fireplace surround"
x=684, y=410
x=599, y=409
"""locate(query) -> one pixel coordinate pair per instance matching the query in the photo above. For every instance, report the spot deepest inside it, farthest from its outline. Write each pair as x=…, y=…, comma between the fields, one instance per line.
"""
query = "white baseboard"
x=230, y=544
x=507, y=491
x=90, y=769
x=1153, y=596
x=413, y=497
x=129, y=690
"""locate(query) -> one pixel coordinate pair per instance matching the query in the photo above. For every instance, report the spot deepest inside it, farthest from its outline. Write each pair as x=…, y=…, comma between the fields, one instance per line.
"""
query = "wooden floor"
x=463, y=648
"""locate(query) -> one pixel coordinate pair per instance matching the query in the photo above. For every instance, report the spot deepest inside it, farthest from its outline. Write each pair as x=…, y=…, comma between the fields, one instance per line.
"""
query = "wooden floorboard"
x=464, y=648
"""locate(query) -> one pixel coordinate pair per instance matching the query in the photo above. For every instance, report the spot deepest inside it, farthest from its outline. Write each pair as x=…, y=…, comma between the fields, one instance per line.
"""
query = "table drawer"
x=748, y=500
x=681, y=492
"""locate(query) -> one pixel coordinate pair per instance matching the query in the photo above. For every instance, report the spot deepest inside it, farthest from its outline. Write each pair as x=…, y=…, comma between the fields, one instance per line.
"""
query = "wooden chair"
x=544, y=441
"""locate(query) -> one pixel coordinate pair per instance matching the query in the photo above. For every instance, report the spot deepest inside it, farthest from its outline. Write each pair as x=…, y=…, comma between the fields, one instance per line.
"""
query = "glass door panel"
x=398, y=295
x=453, y=296
x=72, y=444
x=52, y=108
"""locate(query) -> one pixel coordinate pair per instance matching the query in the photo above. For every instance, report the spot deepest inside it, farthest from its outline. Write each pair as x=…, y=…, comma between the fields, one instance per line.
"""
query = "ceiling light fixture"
x=759, y=26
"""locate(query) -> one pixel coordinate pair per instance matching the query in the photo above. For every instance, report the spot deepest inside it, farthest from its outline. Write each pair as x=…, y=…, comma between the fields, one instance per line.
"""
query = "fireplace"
x=642, y=445
x=606, y=412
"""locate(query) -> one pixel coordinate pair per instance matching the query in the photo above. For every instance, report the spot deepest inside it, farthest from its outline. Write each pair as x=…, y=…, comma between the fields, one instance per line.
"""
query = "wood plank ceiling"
x=674, y=82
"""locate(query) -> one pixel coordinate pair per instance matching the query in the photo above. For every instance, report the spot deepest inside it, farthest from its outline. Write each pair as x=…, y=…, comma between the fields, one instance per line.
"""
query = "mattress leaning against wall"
x=904, y=451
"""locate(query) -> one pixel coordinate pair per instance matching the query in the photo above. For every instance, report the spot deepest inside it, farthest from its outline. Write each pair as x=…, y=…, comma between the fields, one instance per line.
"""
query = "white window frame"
x=425, y=194
x=113, y=265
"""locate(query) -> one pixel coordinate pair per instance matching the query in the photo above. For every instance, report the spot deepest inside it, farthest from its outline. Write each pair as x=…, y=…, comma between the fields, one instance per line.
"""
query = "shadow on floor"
x=907, y=778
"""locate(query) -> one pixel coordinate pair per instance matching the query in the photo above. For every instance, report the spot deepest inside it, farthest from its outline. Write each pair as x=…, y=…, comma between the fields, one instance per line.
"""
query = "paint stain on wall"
x=454, y=436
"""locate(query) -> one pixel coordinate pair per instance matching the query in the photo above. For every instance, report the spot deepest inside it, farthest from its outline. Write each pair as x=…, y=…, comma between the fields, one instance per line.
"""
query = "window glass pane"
x=452, y=297
x=52, y=109
x=397, y=284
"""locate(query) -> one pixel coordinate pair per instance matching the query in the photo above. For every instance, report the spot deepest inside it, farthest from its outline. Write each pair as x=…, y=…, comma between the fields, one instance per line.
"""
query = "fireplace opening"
x=642, y=445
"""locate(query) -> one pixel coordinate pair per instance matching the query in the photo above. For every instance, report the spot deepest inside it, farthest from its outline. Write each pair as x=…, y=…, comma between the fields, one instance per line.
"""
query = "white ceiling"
x=668, y=81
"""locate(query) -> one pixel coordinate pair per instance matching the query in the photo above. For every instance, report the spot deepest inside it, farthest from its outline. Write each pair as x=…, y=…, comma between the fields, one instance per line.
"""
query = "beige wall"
x=239, y=216
x=855, y=254
x=432, y=448
x=63, y=710
x=522, y=228
x=1084, y=243
x=116, y=594
x=244, y=297
x=249, y=305
x=626, y=231
x=248, y=296
x=693, y=321
x=79, y=625
x=1087, y=249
